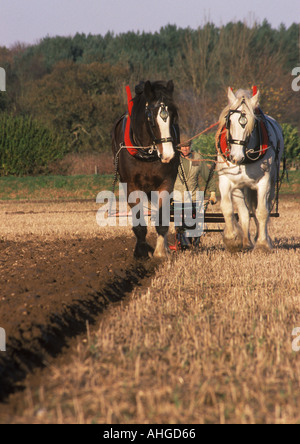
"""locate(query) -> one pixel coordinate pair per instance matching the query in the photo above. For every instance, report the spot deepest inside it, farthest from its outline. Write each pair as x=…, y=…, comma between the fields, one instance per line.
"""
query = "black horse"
x=152, y=126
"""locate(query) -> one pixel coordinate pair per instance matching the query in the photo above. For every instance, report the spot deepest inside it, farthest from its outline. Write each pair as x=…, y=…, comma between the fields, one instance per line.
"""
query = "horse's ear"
x=139, y=88
x=255, y=100
x=148, y=91
x=170, y=86
x=231, y=96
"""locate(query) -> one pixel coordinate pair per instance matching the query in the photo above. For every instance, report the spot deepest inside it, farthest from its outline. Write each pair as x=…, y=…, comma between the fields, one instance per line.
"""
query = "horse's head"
x=155, y=112
x=239, y=119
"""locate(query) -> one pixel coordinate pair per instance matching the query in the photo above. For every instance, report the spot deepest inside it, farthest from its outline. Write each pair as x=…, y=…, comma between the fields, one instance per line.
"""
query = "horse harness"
x=147, y=154
x=251, y=155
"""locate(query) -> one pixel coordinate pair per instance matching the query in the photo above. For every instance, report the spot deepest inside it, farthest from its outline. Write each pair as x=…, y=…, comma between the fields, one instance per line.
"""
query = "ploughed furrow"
x=51, y=291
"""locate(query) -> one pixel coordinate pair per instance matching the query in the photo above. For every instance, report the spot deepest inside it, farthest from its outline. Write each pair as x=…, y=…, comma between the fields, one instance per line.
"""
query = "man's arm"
x=204, y=171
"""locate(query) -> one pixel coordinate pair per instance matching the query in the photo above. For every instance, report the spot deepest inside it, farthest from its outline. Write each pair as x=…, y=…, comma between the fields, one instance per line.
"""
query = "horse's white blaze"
x=237, y=133
x=164, y=127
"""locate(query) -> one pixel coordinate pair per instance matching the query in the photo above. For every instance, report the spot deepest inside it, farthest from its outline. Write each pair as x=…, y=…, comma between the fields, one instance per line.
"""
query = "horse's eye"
x=243, y=120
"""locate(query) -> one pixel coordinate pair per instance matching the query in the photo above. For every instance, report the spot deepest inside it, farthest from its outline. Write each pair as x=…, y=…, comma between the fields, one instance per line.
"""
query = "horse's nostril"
x=233, y=160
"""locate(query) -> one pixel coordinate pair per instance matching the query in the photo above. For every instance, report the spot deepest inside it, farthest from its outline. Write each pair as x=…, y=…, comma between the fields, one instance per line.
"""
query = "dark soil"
x=51, y=291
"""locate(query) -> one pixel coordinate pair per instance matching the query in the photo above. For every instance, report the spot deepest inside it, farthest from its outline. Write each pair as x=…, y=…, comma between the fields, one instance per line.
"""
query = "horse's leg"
x=160, y=201
x=161, y=250
x=251, y=198
x=233, y=236
x=262, y=213
x=238, y=198
x=142, y=248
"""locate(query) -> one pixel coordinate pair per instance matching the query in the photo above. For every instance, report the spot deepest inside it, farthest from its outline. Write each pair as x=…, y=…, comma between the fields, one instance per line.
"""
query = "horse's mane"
x=241, y=94
x=159, y=89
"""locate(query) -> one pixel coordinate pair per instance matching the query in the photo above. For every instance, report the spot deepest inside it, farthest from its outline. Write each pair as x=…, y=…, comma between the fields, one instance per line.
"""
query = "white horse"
x=250, y=146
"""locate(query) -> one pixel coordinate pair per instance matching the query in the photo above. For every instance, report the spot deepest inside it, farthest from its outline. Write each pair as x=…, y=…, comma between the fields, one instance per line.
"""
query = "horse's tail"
x=251, y=199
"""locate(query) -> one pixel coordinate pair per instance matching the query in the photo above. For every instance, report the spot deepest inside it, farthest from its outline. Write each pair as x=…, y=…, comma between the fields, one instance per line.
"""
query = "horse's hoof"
x=143, y=251
x=161, y=254
x=247, y=245
x=264, y=247
x=233, y=245
x=233, y=241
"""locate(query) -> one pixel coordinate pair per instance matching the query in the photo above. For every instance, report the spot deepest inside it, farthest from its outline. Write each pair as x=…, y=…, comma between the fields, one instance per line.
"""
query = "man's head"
x=186, y=149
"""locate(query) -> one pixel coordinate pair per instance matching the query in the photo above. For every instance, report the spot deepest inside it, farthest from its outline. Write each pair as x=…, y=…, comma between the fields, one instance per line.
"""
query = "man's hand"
x=213, y=199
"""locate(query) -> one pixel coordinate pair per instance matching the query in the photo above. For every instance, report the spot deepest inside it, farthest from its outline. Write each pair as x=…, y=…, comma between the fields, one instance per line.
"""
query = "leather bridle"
x=242, y=121
x=164, y=114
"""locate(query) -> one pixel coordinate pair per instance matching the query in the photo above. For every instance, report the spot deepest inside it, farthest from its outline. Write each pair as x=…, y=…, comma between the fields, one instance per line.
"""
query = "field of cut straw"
x=208, y=340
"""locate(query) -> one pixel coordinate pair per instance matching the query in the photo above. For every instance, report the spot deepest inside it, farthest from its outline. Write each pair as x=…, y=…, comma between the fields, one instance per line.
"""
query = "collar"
x=189, y=156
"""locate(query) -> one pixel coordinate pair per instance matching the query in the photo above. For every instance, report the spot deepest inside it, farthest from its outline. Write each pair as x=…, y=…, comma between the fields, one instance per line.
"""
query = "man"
x=193, y=169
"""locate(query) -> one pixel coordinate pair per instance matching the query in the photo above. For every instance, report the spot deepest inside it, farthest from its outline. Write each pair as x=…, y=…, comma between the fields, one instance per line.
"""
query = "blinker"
x=149, y=115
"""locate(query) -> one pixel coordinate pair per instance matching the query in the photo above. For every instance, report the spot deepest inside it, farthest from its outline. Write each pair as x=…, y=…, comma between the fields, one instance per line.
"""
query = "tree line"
x=75, y=86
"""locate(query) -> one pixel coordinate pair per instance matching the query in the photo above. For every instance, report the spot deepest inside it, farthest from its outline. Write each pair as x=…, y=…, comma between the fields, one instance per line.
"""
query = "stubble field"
x=205, y=337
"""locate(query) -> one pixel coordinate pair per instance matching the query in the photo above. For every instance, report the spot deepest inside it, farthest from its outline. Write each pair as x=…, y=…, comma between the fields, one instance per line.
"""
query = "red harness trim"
x=223, y=142
x=129, y=99
x=265, y=138
x=127, y=139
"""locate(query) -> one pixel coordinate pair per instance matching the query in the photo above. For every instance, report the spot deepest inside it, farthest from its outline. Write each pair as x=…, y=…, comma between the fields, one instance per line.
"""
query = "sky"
x=28, y=21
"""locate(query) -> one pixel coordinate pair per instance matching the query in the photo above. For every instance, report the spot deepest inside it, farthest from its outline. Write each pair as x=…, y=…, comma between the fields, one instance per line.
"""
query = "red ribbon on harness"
x=223, y=142
x=129, y=99
x=265, y=138
x=127, y=139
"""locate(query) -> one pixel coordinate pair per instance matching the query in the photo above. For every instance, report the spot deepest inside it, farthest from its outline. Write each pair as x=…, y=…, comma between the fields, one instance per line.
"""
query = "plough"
x=181, y=241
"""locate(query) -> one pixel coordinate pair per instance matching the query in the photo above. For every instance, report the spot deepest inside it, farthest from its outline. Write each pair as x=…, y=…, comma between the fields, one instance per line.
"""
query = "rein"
x=197, y=135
